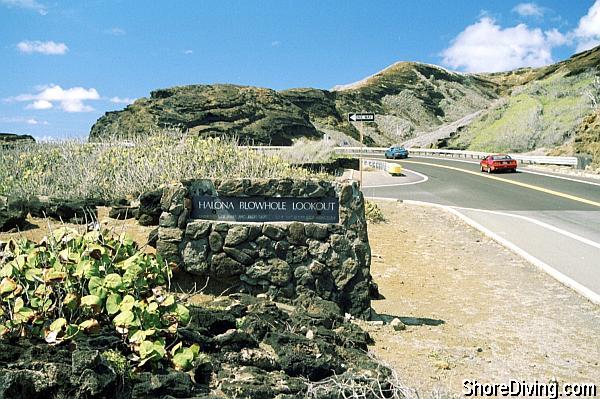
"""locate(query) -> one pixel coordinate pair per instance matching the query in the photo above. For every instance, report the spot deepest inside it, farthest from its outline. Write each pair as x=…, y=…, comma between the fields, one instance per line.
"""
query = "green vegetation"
x=71, y=284
x=112, y=170
x=373, y=213
x=541, y=114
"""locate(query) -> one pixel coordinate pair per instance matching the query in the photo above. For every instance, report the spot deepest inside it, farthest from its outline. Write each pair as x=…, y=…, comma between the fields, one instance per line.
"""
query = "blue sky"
x=64, y=63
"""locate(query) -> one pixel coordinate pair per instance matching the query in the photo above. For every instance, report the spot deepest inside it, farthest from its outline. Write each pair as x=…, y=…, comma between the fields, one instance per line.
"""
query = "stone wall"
x=282, y=259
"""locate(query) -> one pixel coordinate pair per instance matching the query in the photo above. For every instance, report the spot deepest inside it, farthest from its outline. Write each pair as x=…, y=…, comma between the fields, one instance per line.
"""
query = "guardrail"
x=528, y=159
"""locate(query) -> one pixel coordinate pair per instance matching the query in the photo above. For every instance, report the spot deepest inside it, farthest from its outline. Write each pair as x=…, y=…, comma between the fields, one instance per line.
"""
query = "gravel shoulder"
x=473, y=309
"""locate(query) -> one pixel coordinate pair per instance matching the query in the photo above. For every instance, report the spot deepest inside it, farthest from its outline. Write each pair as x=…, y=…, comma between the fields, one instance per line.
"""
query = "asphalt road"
x=554, y=221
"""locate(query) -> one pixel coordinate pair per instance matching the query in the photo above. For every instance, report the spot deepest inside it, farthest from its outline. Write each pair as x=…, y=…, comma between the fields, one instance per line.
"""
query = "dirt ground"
x=473, y=309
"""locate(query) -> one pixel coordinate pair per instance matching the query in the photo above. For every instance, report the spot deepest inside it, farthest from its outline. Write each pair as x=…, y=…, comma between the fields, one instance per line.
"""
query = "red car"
x=493, y=163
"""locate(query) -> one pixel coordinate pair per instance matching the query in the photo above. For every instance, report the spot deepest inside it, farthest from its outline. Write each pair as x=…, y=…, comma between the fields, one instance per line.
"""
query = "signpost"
x=361, y=117
x=266, y=209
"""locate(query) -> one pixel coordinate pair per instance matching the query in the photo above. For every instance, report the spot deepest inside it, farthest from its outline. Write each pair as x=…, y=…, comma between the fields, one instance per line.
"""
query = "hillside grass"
x=112, y=170
x=542, y=114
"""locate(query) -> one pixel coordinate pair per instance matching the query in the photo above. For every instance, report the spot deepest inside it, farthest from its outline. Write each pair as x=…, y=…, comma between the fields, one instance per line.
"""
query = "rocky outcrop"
x=10, y=139
x=13, y=213
x=280, y=259
x=251, y=348
x=252, y=114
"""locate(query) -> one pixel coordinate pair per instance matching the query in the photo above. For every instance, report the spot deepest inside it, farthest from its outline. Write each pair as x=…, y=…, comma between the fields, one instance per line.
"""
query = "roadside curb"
x=560, y=277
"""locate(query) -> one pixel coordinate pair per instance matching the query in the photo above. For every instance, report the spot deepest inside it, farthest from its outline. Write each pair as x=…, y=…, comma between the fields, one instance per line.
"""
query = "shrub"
x=71, y=284
x=113, y=170
x=373, y=213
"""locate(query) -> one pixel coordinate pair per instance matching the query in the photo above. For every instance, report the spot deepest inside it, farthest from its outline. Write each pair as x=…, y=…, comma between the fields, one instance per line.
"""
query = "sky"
x=65, y=63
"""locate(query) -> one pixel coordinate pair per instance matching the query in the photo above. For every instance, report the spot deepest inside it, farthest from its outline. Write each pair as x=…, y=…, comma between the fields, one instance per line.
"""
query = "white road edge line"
x=422, y=176
x=565, y=280
x=520, y=169
x=539, y=223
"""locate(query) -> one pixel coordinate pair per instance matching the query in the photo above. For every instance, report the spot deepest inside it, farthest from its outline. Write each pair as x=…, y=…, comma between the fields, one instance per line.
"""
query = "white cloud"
x=27, y=4
x=587, y=33
x=48, y=48
x=124, y=100
x=188, y=52
x=33, y=121
x=487, y=47
x=528, y=10
x=19, y=119
x=115, y=31
x=275, y=43
x=40, y=104
x=70, y=100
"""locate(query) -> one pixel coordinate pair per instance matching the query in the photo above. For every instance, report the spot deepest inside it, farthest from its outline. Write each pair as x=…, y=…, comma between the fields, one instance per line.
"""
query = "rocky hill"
x=252, y=114
x=11, y=139
x=419, y=104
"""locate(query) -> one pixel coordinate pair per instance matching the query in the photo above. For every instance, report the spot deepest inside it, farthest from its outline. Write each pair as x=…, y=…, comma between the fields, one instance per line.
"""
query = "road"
x=553, y=222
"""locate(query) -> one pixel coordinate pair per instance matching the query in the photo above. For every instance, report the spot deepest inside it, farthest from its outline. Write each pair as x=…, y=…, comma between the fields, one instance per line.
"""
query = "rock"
x=84, y=359
x=253, y=357
x=175, y=383
x=12, y=214
x=149, y=210
x=215, y=241
x=316, y=231
x=281, y=249
x=397, y=325
x=168, y=250
x=68, y=211
x=280, y=273
x=167, y=219
x=296, y=255
x=236, y=235
x=235, y=340
x=170, y=234
x=194, y=257
x=197, y=229
x=122, y=212
x=239, y=255
x=153, y=237
x=273, y=232
x=224, y=266
x=296, y=234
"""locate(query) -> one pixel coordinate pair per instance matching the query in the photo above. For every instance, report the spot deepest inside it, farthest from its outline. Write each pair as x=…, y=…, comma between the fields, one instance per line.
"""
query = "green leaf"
x=58, y=324
x=18, y=305
x=33, y=274
x=184, y=359
x=146, y=349
x=92, y=301
x=183, y=313
x=113, y=304
x=90, y=326
x=6, y=271
x=71, y=301
x=124, y=319
x=7, y=285
x=96, y=287
x=113, y=282
x=128, y=303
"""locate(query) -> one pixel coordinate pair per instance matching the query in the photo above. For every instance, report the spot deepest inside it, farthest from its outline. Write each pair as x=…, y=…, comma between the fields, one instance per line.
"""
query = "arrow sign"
x=363, y=117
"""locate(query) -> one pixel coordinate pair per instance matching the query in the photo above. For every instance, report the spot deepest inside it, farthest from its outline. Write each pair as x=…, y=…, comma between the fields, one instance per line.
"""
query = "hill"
x=529, y=109
x=11, y=138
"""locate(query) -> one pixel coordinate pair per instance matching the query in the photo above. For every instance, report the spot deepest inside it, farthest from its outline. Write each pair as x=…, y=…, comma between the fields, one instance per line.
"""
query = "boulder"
x=13, y=214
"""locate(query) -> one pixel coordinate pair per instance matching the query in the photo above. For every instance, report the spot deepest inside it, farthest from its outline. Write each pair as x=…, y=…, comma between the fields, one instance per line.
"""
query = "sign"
x=366, y=117
x=266, y=209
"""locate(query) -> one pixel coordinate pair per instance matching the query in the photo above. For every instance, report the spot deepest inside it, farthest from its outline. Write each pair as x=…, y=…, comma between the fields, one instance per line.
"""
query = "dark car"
x=396, y=153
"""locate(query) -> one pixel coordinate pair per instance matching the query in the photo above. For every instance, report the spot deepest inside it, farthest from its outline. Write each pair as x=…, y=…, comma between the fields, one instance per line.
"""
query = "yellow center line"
x=516, y=183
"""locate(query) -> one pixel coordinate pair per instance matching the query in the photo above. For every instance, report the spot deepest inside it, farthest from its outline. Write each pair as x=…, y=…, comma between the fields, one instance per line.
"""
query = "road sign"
x=363, y=117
